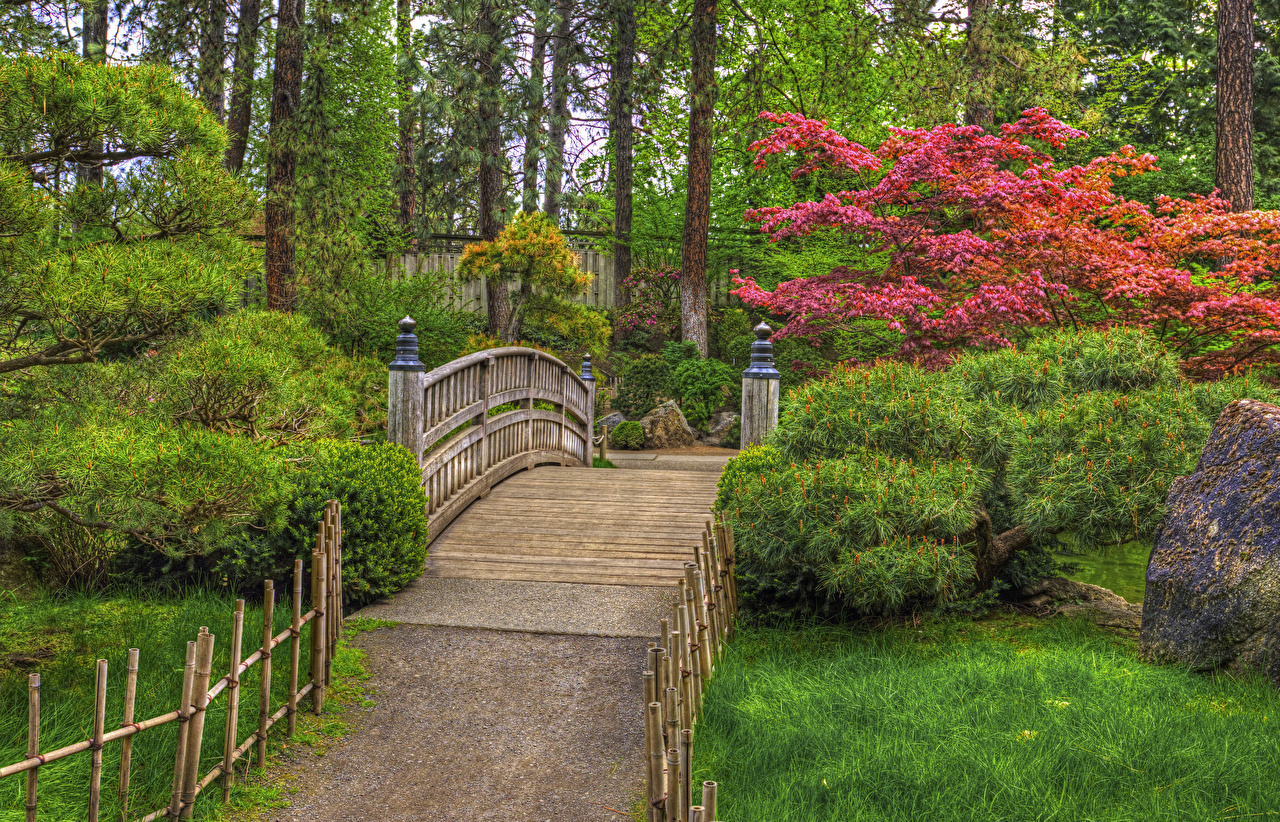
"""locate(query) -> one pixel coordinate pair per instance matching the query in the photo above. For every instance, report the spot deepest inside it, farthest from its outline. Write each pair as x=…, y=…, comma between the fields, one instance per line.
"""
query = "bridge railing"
x=481, y=418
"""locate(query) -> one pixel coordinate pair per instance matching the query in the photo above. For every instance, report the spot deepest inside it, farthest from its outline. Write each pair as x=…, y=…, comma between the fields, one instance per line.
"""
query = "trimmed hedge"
x=628, y=436
x=384, y=522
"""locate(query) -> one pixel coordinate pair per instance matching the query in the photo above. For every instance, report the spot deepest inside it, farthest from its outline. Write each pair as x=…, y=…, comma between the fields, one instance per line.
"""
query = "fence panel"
x=197, y=695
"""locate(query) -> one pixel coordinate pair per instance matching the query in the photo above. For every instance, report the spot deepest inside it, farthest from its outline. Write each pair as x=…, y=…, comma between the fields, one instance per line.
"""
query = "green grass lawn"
x=1006, y=718
x=60, y=637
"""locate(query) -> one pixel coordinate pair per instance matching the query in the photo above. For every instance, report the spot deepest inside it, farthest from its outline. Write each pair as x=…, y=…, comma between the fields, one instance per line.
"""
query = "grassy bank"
x=60, y=637
x=1001, y=719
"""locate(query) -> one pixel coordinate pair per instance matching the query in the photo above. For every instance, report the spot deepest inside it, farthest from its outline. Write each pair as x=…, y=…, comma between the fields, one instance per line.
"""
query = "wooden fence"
x=678, y=667
x=325, y=619
x=470, y=295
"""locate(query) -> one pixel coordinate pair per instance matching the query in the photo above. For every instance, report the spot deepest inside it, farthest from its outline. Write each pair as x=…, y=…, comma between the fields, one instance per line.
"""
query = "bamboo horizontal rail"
x=198, y=694
x=475, y=421
x=678, y=667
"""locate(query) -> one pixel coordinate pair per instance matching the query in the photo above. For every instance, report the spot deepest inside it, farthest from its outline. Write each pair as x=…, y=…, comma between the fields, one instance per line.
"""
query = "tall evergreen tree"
x=621, y=129
x=536, y=97
x=1233, y=169
x=562, y=62
x=286, y=93
x=406, y=174
x=240, y=111
x=492, y=157
x=697, y=213
x=213, y=47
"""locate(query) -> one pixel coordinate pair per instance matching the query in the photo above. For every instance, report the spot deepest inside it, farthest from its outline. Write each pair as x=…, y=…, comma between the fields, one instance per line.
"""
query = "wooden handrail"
x=450, y=420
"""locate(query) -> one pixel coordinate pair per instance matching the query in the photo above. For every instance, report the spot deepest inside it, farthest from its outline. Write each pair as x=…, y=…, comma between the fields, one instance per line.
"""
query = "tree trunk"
x=213, y=52
x=537, y=101
x=491, y=158
x=697, y=210
x=93, y=42
x=282, y=160
x=1233, y=173
x=240, y=112
x=979, y=108
x=561, y=57
x=406, y=175
x=623, y=141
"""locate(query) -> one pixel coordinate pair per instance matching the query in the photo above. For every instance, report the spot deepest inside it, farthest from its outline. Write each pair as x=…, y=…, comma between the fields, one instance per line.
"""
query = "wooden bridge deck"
x=551, y=524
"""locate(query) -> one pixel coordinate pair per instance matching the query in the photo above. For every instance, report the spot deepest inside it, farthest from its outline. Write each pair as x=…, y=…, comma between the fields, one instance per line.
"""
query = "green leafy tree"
x=892, y=487
x=532, y=260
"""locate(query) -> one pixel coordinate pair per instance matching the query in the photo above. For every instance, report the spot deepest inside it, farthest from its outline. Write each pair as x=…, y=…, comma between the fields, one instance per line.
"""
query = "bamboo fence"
x=325, y=618
x=677, y=670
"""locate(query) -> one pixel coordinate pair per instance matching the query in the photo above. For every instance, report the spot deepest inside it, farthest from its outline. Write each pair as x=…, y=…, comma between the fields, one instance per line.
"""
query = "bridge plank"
x=577, y=525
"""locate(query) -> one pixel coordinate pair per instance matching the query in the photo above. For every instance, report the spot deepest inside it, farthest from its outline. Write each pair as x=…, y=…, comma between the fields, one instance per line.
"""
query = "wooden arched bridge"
x=504, y=439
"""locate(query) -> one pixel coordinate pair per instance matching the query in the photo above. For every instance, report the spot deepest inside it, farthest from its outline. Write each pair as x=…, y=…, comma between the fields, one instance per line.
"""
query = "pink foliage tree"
x=983, y=238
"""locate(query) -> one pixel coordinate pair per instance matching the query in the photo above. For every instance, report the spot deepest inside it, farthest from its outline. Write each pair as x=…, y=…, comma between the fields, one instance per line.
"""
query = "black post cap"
x=762, y=365
x=406, y=348
x=587, y=374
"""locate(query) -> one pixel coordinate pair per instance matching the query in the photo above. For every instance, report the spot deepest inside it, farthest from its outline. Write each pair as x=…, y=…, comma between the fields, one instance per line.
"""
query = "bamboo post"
x=406, y=397
x=671, y=717
x=99, y=727
x=709, y=800
x=184, y=729
x=126, y=745
x=653, y=729
x=195, y=735
x=760, y=390
x=295, y=636
x=264, y=677
x=331, y=578
x=686, y=767
x=674, y=803
x=317, y=633
x=696, y=814
x=659, y=669
x=650, y=687
x=229, y=741
x=33, y=741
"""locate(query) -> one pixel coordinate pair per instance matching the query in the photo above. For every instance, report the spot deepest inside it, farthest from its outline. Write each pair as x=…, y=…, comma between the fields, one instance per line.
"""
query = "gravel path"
x=538, y=607
x=483, y=725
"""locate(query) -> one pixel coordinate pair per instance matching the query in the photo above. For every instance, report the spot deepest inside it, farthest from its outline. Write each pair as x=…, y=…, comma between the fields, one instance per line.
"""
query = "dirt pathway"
x=473, y=724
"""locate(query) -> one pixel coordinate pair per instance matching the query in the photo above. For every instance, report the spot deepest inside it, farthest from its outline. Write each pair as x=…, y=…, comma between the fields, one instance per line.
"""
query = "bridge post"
x=406, y=392
x=589, y=377
x=761, y=384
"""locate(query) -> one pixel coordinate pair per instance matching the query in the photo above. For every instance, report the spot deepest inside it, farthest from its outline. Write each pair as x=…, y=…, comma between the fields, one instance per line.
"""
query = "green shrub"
x=702, y=386
x=892, y=488
x=384, y=522
x=646, y=381
x=628, y=436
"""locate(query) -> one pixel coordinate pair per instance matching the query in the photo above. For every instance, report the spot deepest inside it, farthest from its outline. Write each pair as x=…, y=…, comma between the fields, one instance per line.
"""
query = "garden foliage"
x=384, y=521
x=983, y=237
x=891, y=487
x=531, y=254
x=628, y=436
x=699, y=386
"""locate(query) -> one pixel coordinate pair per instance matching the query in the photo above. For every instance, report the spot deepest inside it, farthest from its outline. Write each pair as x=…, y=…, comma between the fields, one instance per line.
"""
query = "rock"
x=720, y=425
x=666, y=427
x=611, y=420
x=1104, y=607
x=1213, y=581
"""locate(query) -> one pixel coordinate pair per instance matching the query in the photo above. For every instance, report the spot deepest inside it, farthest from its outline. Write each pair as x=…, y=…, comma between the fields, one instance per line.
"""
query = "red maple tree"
x=983, y=239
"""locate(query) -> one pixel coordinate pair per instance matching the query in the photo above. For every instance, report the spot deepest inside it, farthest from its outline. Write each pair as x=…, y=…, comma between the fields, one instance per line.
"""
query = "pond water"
x=1120, y=568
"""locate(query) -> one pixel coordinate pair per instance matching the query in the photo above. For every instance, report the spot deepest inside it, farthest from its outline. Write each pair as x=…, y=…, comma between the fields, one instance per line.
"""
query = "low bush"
x=891, y=488
x=628, y=436
x=384, y=522
x=703, y=386
x=646, y=381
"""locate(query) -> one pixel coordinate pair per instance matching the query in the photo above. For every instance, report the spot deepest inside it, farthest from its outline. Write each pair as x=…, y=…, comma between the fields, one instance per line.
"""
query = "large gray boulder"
x=723, y=423
x=611, y=420
x=1213, y=582
x=666, y=427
